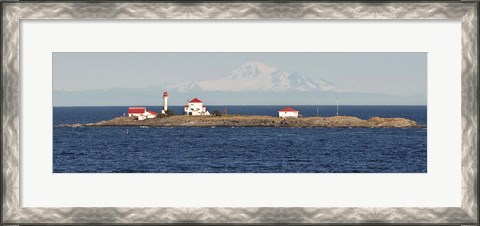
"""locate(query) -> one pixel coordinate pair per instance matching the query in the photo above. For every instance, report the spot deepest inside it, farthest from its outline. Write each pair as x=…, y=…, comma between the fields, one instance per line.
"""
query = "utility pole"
x=337, y=105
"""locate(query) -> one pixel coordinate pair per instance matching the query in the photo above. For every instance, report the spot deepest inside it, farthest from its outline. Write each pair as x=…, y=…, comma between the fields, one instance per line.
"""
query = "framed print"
x=240, y=113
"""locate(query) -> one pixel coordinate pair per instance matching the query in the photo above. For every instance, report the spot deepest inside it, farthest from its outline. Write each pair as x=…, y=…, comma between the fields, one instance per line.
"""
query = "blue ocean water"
x=240, y=150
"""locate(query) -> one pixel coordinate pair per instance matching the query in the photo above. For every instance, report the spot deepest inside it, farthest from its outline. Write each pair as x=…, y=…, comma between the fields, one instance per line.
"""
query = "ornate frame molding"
x=13, y=12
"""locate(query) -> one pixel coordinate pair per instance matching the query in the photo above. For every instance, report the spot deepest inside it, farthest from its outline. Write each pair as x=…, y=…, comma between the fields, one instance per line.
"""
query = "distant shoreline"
x=254, y=121
x=273, y=105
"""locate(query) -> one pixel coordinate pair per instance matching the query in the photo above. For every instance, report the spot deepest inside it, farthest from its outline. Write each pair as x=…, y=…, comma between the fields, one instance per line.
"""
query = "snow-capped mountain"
x=253, y=83
x=257, y=76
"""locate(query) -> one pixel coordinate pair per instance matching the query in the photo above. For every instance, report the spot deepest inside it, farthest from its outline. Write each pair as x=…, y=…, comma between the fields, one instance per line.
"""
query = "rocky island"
x=254, y=121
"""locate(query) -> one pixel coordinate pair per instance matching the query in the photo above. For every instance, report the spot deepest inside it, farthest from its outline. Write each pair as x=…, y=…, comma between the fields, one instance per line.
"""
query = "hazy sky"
x=387, y=73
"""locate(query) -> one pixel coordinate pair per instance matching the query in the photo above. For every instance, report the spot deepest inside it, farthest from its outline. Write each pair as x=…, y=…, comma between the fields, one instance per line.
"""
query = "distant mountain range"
x=253, y=83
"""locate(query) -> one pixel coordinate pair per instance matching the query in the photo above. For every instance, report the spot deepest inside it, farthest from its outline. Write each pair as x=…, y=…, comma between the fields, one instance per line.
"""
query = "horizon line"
x=221, y=105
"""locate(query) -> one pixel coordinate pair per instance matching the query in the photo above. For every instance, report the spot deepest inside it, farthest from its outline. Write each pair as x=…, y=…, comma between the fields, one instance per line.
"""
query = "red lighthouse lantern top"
x=165, y=94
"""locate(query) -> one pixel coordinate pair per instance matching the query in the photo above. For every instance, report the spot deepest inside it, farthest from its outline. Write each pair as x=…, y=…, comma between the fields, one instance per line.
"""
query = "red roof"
x=136, y=110
x=165, y=94
x=186, y=106
x=289, y=109
x=152, y=112
x=195, y=100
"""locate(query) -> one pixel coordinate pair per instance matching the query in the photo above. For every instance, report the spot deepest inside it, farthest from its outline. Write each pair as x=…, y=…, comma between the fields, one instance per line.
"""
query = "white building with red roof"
x=288, y=112
x=150, y=114
x=141, y=113
x=195, y=107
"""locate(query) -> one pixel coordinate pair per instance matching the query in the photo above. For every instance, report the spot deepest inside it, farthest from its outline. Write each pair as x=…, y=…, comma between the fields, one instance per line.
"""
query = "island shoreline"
x=254, y=121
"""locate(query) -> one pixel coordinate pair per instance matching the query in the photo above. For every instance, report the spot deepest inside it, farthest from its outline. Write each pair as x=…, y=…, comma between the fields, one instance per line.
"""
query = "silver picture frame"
x=14, y=12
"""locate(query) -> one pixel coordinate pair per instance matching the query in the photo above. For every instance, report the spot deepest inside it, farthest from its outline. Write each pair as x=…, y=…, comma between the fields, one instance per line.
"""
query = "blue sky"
x=386, y=73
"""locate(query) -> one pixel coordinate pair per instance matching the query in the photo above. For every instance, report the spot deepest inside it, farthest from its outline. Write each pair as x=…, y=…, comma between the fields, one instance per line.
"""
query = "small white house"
x=288, y=112
x=195, y=107
x=141, y=113
x=150, y=114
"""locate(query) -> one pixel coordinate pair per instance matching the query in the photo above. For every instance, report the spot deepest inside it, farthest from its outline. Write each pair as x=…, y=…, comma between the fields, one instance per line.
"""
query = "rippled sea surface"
x=240, y=150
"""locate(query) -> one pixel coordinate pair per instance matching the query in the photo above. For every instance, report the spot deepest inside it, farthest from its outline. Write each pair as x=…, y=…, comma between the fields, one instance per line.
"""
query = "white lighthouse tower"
x=165, y=102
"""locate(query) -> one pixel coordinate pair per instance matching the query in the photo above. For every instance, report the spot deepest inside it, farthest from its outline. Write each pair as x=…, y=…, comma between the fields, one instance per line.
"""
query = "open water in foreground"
x=240, y=150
